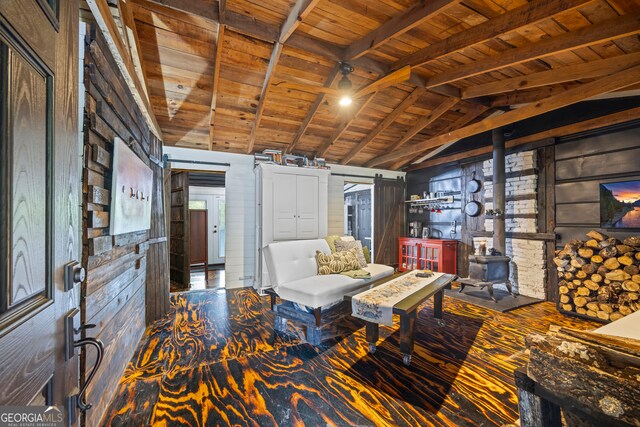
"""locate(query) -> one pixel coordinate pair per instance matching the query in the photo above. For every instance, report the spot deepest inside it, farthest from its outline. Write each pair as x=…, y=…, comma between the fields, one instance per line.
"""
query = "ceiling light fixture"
x=345, y=85
x=345, y=101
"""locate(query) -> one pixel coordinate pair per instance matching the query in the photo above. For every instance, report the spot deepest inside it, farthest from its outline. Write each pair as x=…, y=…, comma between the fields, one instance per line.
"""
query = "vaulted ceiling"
x=214, y=71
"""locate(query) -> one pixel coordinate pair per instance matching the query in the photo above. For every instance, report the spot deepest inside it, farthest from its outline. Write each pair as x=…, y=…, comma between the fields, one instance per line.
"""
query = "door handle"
x=99, y=346
x=74, y=274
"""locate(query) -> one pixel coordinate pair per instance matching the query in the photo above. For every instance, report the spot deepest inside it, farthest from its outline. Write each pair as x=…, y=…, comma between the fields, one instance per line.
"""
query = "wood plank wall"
x=116, y=288
x=582, y=164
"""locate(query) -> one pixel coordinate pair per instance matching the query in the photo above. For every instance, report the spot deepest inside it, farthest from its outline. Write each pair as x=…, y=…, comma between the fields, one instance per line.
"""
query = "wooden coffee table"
x=407, y=309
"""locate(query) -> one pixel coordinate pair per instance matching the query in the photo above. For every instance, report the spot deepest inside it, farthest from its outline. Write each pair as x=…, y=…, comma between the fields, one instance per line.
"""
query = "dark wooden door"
x=179, y=237
x=363, y=217
x=388, y=218
x=40, y=199
x=198, y=242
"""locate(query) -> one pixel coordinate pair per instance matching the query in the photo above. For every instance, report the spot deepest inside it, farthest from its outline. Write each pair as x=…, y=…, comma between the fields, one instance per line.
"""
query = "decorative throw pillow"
x=341, y=245
x=337, y=262
x=331, y=242
x=367, y=254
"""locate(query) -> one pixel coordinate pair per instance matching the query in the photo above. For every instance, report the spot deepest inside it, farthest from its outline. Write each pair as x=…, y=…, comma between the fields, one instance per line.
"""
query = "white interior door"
x=218, y=232
x=307, y=207
x=284, y=206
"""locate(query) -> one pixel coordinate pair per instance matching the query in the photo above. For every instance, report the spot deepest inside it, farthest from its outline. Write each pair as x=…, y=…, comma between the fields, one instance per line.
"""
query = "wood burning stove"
x=486, y=271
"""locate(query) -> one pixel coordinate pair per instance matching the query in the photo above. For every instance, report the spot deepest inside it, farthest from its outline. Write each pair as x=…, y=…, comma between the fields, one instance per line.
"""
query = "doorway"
x=358, y=217
x=199, y=230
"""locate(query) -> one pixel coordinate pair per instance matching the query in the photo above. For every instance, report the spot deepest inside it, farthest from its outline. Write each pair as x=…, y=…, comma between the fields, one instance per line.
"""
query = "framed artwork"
x=132, y=184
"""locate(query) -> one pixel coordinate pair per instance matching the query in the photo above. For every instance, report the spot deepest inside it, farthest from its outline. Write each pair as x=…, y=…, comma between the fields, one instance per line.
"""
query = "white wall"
x=240, y=204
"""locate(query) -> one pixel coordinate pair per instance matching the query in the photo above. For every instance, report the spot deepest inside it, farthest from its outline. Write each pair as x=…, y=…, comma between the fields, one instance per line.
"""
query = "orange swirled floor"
x=215, y=360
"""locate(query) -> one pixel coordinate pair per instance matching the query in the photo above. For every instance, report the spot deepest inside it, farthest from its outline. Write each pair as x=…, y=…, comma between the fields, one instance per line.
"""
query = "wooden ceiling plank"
x=587, y=70
x=397, y=26
x=222, y=11
x=470, y=116
x=570, y=96
x=194, y=7
x=423, y=122
x=322, y=151
x=406, y=103
x=216, y=82
x=583, y=126
x=273, y=63
x=131, y=34
x=331, y=79
x=608, y=30
x=300, y=10
x=528, y=14
x=102, y=14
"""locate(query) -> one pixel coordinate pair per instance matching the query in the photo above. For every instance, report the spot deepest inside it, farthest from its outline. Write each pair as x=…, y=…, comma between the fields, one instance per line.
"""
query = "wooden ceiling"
x=213, y=71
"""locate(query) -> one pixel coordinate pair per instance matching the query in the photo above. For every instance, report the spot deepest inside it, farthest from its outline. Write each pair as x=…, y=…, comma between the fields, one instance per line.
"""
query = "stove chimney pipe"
x=499, y=179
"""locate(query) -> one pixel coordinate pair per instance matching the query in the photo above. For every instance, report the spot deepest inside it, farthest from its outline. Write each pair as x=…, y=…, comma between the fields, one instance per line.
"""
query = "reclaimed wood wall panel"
x=117, y=287
x=582, y=164
x=389, y=218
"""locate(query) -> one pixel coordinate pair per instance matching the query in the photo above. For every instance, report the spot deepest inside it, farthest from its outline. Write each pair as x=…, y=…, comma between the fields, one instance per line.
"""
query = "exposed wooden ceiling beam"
x=397, y=26
x=222, y=11
x=107, y=25
x=299, y=11
x=131, y=35
x=331, y=79
x=216, y=80
x=588, y=70
x=322, y=151
x=583, y=126
x=273, y=63
x=608, y=30
x=421, y=123
x=474, y=112
x=574, y=95
x=194, y=7
x=408, y=101
x=528, y=14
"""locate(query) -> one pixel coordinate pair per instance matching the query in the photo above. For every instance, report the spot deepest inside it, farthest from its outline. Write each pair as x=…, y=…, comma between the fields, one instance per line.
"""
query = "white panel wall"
x=336, y=190
x=240, y=204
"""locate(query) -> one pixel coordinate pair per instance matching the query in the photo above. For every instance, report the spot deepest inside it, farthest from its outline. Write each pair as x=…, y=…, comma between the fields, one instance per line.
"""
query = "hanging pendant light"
x=345, y=85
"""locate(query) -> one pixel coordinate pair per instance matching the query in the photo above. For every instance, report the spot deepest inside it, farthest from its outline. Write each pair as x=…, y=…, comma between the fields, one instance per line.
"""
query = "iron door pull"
x=99, y=346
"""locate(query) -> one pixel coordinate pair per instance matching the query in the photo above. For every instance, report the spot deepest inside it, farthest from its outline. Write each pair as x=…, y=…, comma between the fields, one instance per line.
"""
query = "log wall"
x=125, y=271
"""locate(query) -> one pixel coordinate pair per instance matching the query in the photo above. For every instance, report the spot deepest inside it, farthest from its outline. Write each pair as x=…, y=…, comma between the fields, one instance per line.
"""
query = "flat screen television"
x=620, y=204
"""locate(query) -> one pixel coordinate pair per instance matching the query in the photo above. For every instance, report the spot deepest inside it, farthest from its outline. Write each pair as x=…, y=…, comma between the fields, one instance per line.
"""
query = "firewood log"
x=608, y=252
x=625, y=260
x=597, y=278
x=623, y=249
x=636, y=278
x=593, y=306
x=577, y=262
x=569, y=307
x=611, y=241
x=572, y=285
x=625, y=310
x=606, y=307
x=597, y=259
x=562, y=263
x=591, y=285
x=580, y=274
x=630, y=286
x=618, y=275
x=570, y=268
x=612, y=263
x=592, y=313
x=603, y=315
x=582, y=301
x=585, y=252
x=596, y=235
x=564, y=299
x=637, y=256
x=632, y=269
x=568, y=276
x=632, y=241
x=616, y=287
x=583, y=291
x=634, y=306
x=563, y=290
x=589, y=268
x=581, y=310
x=615, y=316
x=593, y=244
x=577, y=282
x=602, y=270
x=605, y=294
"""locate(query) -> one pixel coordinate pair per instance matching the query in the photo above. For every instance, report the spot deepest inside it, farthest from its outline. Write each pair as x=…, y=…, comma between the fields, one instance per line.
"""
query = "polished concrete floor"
x=215, y=360
x=214, y=280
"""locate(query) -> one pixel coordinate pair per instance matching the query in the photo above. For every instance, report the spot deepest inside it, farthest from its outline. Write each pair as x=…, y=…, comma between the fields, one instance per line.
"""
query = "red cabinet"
x=428, y=254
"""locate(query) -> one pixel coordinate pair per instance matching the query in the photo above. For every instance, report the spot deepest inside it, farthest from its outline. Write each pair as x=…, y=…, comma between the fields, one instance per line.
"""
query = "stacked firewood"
x=600, y=277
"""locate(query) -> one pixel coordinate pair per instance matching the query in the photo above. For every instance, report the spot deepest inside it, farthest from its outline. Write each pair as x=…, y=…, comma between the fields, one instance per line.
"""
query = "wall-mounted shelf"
x=435, y=200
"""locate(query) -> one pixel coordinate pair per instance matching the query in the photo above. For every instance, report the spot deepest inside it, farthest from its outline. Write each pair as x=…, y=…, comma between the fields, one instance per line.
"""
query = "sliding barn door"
x=388, y=218
x=39, y=202
x=179, y=237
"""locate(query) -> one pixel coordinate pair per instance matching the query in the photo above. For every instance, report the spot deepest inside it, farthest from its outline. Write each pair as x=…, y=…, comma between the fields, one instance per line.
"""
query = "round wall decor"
x=473, y=208
x=474, y=185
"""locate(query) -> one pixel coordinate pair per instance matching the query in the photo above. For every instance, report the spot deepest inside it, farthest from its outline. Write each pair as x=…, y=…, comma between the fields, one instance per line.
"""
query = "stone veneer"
x=528, y=258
